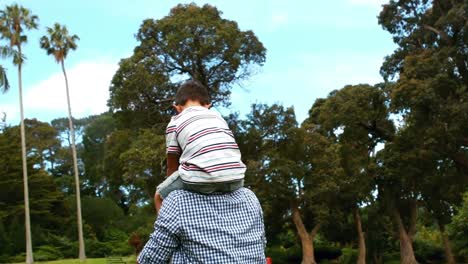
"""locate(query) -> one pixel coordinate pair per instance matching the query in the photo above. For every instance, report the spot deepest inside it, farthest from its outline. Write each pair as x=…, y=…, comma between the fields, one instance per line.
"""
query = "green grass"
x=128, y=260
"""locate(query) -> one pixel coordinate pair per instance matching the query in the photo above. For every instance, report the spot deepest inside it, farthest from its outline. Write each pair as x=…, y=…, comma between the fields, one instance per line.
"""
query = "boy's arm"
x=172, y=166
x=172, y=163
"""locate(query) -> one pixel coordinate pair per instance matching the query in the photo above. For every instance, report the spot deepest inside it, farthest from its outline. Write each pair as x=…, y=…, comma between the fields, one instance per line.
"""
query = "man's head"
x=191, y=93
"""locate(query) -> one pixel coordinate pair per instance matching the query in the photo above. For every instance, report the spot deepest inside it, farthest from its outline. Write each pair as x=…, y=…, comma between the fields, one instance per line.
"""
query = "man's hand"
x=157, y=202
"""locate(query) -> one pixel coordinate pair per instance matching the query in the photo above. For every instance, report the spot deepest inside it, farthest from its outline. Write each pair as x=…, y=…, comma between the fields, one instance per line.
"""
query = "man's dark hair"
x=192, y=90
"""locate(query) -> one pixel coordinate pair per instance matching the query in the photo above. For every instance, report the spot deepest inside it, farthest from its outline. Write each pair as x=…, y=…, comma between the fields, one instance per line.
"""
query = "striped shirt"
x=207, y=148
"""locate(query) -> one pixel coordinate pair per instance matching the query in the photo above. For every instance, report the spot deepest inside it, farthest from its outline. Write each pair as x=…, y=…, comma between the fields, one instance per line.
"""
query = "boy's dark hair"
x=192, y=90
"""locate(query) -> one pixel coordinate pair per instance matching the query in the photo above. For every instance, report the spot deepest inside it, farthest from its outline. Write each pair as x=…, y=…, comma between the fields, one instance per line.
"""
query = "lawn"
x=128, y=260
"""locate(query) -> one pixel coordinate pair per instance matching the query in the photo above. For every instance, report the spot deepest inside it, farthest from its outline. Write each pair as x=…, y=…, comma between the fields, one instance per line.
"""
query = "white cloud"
x=89, y=90
x=279, y=19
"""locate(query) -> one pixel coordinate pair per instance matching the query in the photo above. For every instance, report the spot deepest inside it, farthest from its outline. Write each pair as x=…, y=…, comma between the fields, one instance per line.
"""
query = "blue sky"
x=313, y=48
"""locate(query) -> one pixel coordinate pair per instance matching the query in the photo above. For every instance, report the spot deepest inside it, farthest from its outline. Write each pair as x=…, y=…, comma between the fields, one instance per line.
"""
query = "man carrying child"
x=208, y=217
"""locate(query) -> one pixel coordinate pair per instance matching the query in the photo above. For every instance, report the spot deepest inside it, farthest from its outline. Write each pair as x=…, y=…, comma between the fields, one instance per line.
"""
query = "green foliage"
x=14, y=20
x=97, y=249
x=44, y=253
x=145, y=163
x=100, y=213
x=349, y=256
x=427, y=251
x=458, y=230
x=197, y=42
x=58, y=42
x=191, y=42
x=284, y=255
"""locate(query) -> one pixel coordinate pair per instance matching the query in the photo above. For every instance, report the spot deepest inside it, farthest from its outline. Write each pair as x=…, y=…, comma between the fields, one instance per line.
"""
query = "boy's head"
x=190, y=93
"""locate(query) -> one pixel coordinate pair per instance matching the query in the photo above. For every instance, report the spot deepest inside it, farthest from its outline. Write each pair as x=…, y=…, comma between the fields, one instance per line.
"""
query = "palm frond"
x=4, y=84
x=58, y=42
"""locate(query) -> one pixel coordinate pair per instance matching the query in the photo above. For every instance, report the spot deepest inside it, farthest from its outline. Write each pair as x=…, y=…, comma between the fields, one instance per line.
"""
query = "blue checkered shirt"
x=217, y=228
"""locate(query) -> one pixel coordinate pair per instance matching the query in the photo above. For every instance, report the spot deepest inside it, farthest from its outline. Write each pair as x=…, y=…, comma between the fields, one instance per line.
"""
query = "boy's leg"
x=208, y=188
x=170, y=184
x=157, y=202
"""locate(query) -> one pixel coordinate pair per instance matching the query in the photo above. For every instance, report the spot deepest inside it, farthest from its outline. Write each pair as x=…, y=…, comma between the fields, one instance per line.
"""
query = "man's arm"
x=164, y=240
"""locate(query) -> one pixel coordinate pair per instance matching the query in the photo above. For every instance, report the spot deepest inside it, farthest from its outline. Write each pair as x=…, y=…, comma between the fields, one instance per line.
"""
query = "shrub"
x=323, y=252
x=113, y=234
x=44, y=253
x=18, y=258
x=391, y=257
x=4, y=258
x=349, y=256
x=282, y=255
x=428, y=252
x=121, y=248
x=97, y=249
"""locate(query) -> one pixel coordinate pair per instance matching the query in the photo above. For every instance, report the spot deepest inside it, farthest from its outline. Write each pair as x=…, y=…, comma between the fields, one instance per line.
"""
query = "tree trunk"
x=307, y=240
x=406, y=244
x=27, y=220
x=82, y=255
x=447, y=247
x=362, y=242
x=377, y=258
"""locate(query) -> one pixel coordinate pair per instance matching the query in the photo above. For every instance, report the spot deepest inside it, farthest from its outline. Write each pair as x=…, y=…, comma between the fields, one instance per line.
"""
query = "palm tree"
x=58, y=43
x=14, y=20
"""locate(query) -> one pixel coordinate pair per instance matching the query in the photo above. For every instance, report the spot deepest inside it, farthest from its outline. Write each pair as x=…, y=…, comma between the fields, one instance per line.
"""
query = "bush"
x=282, y=255
x=44, y=253
x=18, y=258
x=428, y=252
x=121, y=248
x=327, y=252
x=349, y=256
x=4, y=258
x=113, y=234
x=391, y=257
x=97, y=249
x=68, y=248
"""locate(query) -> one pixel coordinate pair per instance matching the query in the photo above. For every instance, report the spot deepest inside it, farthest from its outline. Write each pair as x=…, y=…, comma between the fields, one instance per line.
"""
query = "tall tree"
x=49, y=213
x=58, y=43
x=355, y=119
x=279, y=168
x=191, y=42
x=14, y=20
x=430, y=91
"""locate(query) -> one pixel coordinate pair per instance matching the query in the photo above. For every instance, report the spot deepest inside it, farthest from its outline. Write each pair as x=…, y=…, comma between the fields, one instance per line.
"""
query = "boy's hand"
x=157, y=202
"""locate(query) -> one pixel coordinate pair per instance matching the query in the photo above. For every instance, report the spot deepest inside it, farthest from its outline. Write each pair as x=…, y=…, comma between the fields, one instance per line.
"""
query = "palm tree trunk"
x=27, y=220
x=82, y=255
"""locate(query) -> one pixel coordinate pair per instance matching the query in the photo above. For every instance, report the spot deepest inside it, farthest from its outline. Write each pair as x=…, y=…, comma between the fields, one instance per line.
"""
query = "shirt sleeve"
x=172, y=145
x=164, y=241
